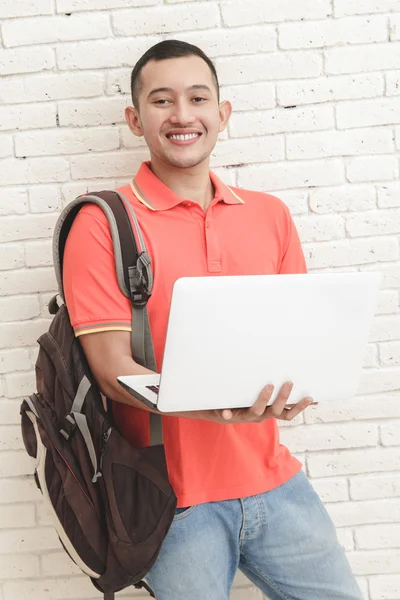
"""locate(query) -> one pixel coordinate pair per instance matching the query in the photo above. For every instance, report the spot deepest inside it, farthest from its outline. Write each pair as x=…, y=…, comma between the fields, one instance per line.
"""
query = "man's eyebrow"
x=198, y=86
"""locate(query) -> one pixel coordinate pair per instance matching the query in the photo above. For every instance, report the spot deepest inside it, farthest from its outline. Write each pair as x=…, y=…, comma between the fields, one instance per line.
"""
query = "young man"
x=243, y=501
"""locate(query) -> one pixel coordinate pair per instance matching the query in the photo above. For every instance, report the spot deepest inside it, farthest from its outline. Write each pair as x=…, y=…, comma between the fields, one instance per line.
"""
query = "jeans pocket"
x=181, y=513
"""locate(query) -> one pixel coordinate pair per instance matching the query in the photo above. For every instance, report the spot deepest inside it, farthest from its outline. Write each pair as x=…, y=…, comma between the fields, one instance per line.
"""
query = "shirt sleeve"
x=293, y=260
x=92, y=294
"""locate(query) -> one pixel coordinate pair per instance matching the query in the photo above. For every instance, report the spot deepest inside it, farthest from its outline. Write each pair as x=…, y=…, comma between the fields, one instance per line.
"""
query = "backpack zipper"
x=103, y=450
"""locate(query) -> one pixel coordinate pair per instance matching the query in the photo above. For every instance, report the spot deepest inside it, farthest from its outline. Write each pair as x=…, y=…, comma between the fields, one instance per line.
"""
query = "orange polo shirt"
x=241, y=233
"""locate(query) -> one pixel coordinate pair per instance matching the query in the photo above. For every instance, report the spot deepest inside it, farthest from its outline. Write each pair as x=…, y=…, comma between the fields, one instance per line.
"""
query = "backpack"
x=112, y=504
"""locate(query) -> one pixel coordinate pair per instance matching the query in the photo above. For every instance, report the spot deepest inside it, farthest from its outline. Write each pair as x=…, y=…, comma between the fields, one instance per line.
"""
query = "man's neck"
x=192, y=184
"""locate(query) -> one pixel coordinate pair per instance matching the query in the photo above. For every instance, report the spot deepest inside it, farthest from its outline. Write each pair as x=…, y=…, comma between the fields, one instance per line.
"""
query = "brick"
x=20, y=516
x=35, y=170
x=394, y=28
x=128, y=140
x=375, y=486
x=329, y=89
x=385, y=587
x=332, y=32
x=392, y=83
x=10, y=439
x=11, y=257
x=84, y=113
x=29, y=540
x=24, y=8
x=20, y=384
x=364, y=113
x=281, y=121
x=39, y=254
x=390, y=434
x=106, y=165
x=118, y=81
x=383, y=380
x=389, y=195
x=165, y=19
x=225, y=42
x=27, y=116
x=389, y=354
x=9, y=415
x=262, y=96
x=361, y=7
x=64, y=141
x=320, y=228
x=13, y=201
x=23, y=60
x=6, y=146
x=296, y=200
x=376, y=562
x=330, y=437
x=354, y=462
x=339, y=143
x=72, y=189
x=367, y=407
x=100, y=54
x=294, y=174
x=388, y=302
x=14, y=464
x=13, y=360
x=331, y=490
x=75, y=5
x=18, y=490
x=53, y=86
x=57, y=564
x=16, y=308
x=25, y=281
x=26, y=227
x=268, y=67
x=344, y=253
x=66, y=588
x=23, y=333
x=372, y=168
x=48, y=30
x=19, y=566
x=385, y=328
x=44, y=199
x=250, y=12
x=245, y=151
x=365, y=512
x=385, y=222
x=342, y=199
x=360, y=59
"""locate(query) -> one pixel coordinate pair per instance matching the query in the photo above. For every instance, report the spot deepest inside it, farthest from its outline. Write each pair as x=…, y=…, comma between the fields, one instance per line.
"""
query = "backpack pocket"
x=140, y=502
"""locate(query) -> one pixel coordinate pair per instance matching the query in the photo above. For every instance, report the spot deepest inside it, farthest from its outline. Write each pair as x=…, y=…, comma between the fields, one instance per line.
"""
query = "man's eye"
x=162, y=101
x=199, y=99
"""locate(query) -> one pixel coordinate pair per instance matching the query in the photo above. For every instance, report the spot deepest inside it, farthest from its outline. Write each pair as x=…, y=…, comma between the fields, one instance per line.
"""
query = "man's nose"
x=182, y=114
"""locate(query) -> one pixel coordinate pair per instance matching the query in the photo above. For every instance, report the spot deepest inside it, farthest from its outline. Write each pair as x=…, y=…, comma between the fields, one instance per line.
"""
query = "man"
x=243, y=501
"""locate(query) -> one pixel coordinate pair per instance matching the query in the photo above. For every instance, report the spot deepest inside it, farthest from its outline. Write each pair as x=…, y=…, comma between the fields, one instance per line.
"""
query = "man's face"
x=178, y=113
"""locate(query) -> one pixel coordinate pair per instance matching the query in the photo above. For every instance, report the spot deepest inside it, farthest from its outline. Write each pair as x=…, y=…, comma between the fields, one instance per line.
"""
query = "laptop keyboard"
x=153, y=388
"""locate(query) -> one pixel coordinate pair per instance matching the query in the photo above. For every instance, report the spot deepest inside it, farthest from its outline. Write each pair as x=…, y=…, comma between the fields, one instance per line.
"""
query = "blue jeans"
x=283, y=540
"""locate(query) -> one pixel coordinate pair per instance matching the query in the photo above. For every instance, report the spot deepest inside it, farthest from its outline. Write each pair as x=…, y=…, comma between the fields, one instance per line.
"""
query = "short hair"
x=163, y=51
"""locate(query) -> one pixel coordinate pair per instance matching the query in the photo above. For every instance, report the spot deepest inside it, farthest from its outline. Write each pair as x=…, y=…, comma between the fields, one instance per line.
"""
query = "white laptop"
x=230, y=336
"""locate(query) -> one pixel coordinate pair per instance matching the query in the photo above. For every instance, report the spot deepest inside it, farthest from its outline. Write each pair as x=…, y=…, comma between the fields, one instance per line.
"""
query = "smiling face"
x=178, y=113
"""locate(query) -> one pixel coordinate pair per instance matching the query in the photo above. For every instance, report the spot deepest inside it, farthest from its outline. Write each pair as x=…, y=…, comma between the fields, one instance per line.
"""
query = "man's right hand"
x=260, y=409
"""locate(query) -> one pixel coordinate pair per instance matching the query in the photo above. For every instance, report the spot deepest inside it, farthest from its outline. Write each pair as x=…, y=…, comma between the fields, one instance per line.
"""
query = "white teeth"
x=183, y=138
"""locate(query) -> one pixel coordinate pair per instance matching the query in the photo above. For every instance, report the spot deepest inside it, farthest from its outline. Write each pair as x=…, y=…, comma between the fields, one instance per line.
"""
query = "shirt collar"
x=154, y=194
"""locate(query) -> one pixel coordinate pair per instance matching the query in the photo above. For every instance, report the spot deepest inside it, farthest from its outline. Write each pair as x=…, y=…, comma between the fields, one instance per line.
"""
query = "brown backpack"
x=112, y=504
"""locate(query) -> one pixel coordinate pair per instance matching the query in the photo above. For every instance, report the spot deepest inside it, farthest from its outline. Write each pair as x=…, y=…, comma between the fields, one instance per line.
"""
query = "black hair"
x=163, y=51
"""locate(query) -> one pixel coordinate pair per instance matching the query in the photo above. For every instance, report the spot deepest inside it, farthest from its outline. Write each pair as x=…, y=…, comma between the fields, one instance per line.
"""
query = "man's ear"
x=133, y=121
x=225, y=111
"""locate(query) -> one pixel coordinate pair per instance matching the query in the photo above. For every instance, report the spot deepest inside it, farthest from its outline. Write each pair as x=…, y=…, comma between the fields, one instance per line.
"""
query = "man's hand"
x=260, y=409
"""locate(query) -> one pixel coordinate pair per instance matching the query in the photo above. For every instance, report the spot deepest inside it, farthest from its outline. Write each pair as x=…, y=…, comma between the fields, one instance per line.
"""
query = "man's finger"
x=258, y=408
x=289, y=415
x=281, y=400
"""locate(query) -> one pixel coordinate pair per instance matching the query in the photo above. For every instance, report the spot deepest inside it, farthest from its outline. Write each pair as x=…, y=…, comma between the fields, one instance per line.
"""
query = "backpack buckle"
x=68, y=427
x=139, y=280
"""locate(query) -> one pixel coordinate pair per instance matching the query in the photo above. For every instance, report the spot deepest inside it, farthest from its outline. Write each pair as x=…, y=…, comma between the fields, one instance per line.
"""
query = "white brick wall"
x=315, y=86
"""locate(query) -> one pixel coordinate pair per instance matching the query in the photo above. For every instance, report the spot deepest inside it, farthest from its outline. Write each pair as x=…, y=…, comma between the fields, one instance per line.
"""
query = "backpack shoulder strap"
x=133, y=269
